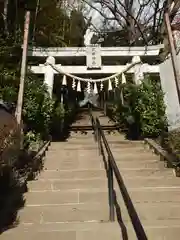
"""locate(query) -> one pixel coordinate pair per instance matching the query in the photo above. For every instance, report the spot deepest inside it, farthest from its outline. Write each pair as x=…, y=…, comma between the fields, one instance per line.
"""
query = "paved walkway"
x=69, y=200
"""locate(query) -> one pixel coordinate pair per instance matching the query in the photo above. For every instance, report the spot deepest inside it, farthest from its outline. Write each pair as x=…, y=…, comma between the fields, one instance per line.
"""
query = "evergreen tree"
x=51, y=26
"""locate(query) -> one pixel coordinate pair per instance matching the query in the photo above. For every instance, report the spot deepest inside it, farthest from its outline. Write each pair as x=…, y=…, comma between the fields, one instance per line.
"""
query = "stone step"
x=80, y=136
x=126, y=147
x=114, y=132
x=73, y=175
x=64, y=213
x=73, y=163
x=84, y=163
x=125, y=144
x=73, y=147
x=131, y=155
x=93, y=153
x=141, y=164
x=39, y=235
x=141, y=195
x=72, y=144
x=159, y=194
x=81, y=142
x=156, y=211
x=146, y=172
x=128, y=233
x=66, y=231
x=81, y=133
x=100, y=173
x=88, y=184
x=88, y=135
x=77, y=138
x=95, y=156
x=42, y=185
x=78, y=153
x=50, y=198
x=90, y=141
x=84, y=196
x=70, y=226
x=84, y=121
x=164, y=232
x=120, y=140
x=94, y=146
x=151, y=182
x=89, y=196
x=89, y=231
x=97, y=212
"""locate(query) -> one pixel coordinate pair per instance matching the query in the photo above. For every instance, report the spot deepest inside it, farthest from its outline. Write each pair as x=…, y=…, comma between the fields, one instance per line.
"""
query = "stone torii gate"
x=100, y=61
x=94, y=57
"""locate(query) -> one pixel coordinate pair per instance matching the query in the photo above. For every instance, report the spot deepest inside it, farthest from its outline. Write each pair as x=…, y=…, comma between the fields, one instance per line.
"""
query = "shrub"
x=58, y=115
x=38, y=107
x=151, y=109
x=170, y=141
x=143, y=107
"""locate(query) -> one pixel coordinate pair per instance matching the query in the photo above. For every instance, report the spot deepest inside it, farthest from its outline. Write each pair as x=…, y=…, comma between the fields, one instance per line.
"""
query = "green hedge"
x=142, y=107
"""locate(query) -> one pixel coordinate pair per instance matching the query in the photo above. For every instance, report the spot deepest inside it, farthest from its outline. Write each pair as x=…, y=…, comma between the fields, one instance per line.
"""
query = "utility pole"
x=19, y=107
x=173, y=52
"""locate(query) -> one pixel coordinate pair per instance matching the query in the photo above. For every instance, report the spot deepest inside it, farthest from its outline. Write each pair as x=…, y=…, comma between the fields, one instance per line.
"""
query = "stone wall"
x=171, y=97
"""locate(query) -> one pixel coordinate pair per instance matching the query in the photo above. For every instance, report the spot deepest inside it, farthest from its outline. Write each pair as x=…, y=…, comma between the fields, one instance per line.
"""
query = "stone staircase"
x=154, y=190
x=69, y=199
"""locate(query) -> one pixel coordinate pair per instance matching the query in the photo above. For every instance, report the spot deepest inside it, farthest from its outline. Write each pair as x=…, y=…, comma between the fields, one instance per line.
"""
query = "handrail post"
x=111, y=191
x=95, y=130
x=99, y=138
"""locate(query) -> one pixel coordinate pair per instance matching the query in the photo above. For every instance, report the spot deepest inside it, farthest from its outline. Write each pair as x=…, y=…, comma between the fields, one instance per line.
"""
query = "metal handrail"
x=113, y=170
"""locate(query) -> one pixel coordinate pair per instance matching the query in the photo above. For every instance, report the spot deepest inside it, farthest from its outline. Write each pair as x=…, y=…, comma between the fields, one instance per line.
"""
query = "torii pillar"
x=49, y=75
x=138, y=73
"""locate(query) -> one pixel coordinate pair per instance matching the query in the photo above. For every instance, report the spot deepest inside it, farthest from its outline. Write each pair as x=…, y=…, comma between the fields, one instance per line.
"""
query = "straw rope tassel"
x=64, y=82
x=95, y=88
x=101, y=87
x=89, y=87
x=123, y=78
x=110, y=86
x=74, y=84
x=116, y=82
x=79, y=86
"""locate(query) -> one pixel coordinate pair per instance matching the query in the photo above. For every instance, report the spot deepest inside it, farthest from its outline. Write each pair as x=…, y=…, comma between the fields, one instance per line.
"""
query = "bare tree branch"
x=142, y=19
